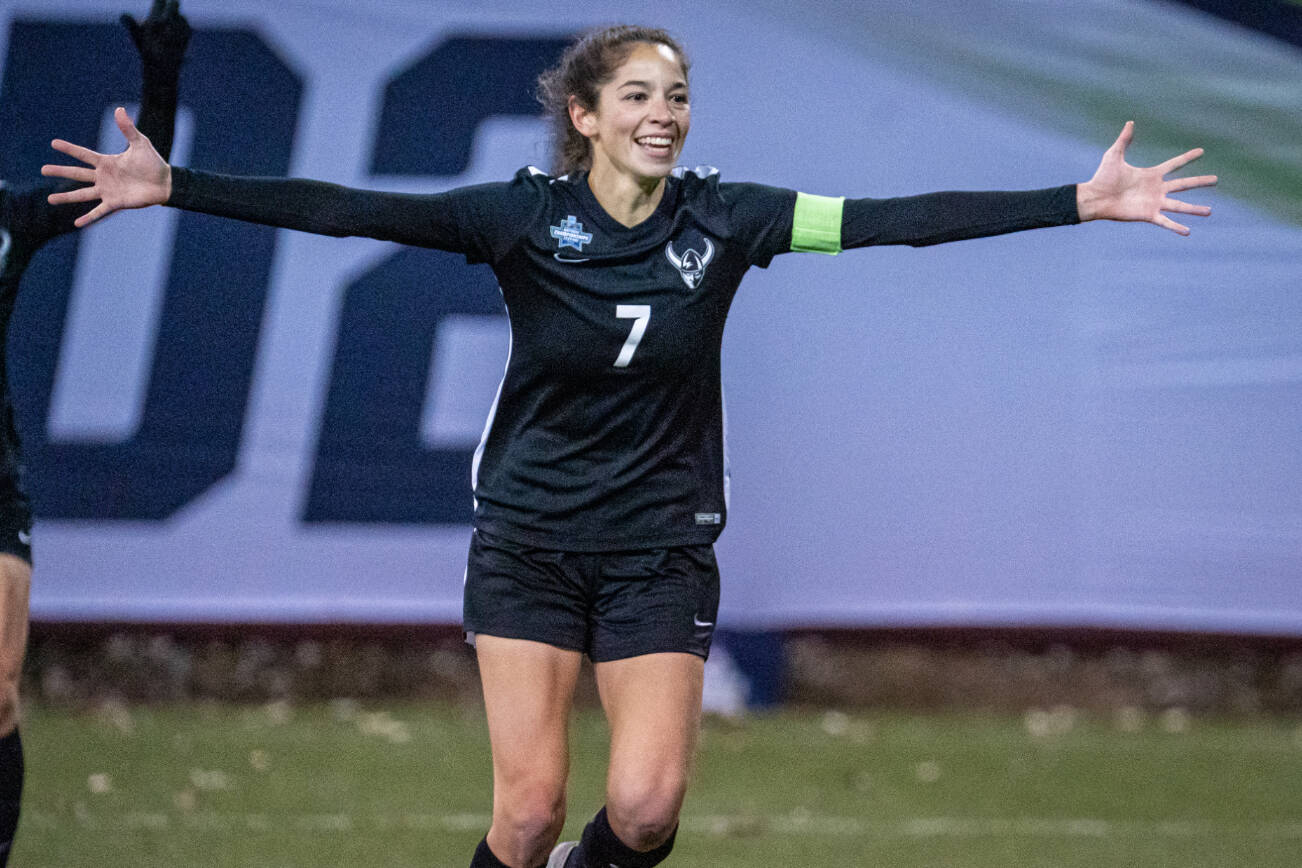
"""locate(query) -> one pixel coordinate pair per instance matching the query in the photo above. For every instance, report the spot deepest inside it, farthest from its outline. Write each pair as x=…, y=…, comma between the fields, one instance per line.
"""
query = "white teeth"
x=655, y=140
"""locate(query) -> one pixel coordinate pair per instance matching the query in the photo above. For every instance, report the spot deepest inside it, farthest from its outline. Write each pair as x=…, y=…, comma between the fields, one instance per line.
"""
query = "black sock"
x=11, y=791
x=484, y=858
x=601, y=848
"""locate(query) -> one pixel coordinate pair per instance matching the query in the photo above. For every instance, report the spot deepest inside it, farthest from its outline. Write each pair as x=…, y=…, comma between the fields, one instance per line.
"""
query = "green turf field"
x=406, y=785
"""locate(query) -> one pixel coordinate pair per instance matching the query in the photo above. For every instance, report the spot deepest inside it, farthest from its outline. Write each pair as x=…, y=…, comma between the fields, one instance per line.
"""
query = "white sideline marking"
x=985, y=827
x=795, y=823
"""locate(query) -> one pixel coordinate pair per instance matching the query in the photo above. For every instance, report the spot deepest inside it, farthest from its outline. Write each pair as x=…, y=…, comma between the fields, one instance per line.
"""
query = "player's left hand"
x=162, y=37
x=1120, y=191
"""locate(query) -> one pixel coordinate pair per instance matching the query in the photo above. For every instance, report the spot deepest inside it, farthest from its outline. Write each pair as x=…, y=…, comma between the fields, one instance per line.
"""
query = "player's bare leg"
x=528, y=691
x=15, y=590
x=653, y=704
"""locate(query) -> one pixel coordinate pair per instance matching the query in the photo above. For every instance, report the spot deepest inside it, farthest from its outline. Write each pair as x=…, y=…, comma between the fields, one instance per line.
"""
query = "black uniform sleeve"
x=158, y=107
x=760, y=216
x=160, y=40
x=935, y=218
x=482, y=222
x=30, y=219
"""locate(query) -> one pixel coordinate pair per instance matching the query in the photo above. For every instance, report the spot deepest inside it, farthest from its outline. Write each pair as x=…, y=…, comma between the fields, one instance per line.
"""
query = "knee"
x=528, y=819
x=15, y=587
x=643, y=814
x=11, y=675
x=8, y=706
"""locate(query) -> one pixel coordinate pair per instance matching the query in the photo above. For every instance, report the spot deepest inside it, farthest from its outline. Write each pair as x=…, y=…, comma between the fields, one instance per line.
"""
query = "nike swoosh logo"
x=560, y=258
x=698, y=622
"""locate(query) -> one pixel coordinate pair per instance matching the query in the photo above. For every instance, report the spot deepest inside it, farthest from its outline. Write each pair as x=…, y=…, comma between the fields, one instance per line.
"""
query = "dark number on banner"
x=370, y=465
x=59, y=80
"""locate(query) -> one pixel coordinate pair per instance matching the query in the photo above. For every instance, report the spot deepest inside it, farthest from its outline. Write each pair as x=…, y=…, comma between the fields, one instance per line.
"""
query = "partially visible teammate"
x=601, y=484
x=27, y=221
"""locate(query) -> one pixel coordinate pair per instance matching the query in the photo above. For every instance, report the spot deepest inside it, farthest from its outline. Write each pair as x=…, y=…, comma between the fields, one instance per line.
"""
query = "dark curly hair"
x=588, y=64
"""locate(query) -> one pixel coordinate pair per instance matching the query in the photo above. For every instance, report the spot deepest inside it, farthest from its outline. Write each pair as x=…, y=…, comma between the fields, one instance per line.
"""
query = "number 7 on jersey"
x=641, y=315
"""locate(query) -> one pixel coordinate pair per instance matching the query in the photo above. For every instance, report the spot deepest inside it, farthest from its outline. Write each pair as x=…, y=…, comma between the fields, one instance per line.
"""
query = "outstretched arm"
x=481, y=221
x=161, y=40
x=1120, y=191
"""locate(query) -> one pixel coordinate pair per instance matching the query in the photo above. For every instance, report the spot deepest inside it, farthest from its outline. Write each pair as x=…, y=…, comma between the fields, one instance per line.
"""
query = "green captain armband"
x=816, y=224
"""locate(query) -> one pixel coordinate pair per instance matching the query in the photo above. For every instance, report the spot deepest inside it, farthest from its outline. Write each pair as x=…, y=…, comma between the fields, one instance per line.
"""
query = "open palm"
x=1120, y=191
x=136, y=178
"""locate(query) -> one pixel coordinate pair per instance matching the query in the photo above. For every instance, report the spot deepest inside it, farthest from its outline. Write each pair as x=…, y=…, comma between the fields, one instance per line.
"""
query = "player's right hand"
x=136, y=178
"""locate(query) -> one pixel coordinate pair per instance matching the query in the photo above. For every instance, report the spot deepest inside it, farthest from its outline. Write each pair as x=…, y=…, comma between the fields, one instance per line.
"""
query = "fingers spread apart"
x=1167, y=223
x=1180, y=161
x=1176, y=206
x=80, y=174
x=1175, y=185
x=94, y=214
x=77, y=152
x=1123, y=140
x=81, y=194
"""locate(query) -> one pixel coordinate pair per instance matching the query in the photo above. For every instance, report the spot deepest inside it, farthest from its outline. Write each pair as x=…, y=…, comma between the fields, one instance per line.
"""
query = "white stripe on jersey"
x=5, y=240
x=492, y=411
x=727, y=469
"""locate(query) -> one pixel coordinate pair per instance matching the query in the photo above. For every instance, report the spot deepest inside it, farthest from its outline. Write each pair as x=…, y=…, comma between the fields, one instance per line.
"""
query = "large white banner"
x=1080, y=426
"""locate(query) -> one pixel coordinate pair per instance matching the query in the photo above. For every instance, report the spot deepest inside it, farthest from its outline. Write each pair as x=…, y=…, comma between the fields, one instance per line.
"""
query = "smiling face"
x=641, y=118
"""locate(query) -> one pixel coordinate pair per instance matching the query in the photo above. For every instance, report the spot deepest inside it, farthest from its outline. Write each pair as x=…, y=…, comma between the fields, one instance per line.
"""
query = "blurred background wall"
x=1091, y=427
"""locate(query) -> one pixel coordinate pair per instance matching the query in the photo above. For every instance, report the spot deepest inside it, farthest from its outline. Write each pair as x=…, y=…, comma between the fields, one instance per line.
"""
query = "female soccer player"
x=600, y=484
x=27, y=221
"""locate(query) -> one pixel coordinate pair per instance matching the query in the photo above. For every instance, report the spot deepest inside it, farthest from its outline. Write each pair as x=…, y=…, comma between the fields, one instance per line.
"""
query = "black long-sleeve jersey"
x=607, y=432
x=28, y=221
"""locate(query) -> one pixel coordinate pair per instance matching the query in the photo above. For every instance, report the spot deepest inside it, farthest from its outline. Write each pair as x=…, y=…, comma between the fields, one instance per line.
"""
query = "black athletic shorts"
x=608, y=605
x=15, y=519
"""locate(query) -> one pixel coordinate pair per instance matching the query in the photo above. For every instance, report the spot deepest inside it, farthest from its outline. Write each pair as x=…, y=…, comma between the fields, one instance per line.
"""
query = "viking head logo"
x=691, y=265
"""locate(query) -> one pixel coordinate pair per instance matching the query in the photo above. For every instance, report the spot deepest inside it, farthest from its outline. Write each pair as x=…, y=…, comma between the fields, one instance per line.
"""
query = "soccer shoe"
x=560, y=856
